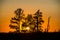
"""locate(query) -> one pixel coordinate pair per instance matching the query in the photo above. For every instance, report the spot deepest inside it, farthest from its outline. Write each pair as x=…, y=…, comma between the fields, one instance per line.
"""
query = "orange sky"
x=48, y=7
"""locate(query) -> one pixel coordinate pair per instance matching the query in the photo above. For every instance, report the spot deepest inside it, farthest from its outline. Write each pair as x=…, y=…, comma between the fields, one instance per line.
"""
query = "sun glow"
x=27, y=28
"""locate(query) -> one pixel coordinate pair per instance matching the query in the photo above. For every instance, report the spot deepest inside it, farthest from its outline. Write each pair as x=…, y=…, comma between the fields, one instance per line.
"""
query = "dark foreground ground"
x=30, y=36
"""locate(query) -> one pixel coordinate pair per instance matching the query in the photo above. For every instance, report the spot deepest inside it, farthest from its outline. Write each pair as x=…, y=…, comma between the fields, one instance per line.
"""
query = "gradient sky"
x=48, y=7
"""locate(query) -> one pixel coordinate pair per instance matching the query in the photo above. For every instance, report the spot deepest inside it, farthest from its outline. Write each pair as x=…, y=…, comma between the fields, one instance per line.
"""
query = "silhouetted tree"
x=28, y=21
x=15, y=21
x=48, y=26
x=38, y=19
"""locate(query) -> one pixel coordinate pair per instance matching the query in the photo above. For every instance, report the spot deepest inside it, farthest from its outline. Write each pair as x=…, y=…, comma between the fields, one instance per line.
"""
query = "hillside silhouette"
x=30, y=36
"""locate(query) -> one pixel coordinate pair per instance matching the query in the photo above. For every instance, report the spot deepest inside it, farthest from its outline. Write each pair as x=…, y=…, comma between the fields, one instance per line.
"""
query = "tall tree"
x=15, y=21
x=38, y=20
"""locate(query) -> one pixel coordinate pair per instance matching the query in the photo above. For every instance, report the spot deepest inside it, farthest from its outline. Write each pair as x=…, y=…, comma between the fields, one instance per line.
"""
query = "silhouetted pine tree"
x=38, y=20
x=15, y=21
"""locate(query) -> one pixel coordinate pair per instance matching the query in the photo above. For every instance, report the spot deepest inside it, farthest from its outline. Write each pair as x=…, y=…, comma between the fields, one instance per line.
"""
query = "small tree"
x=28, y=21
x=48, y=25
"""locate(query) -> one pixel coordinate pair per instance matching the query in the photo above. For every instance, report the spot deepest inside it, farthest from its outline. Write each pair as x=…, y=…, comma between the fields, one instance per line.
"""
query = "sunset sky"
x=47, y=7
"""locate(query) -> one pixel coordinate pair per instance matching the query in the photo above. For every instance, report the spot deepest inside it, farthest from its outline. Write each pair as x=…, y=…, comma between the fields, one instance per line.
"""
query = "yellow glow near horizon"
x=20, y=26
x=28, y=28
